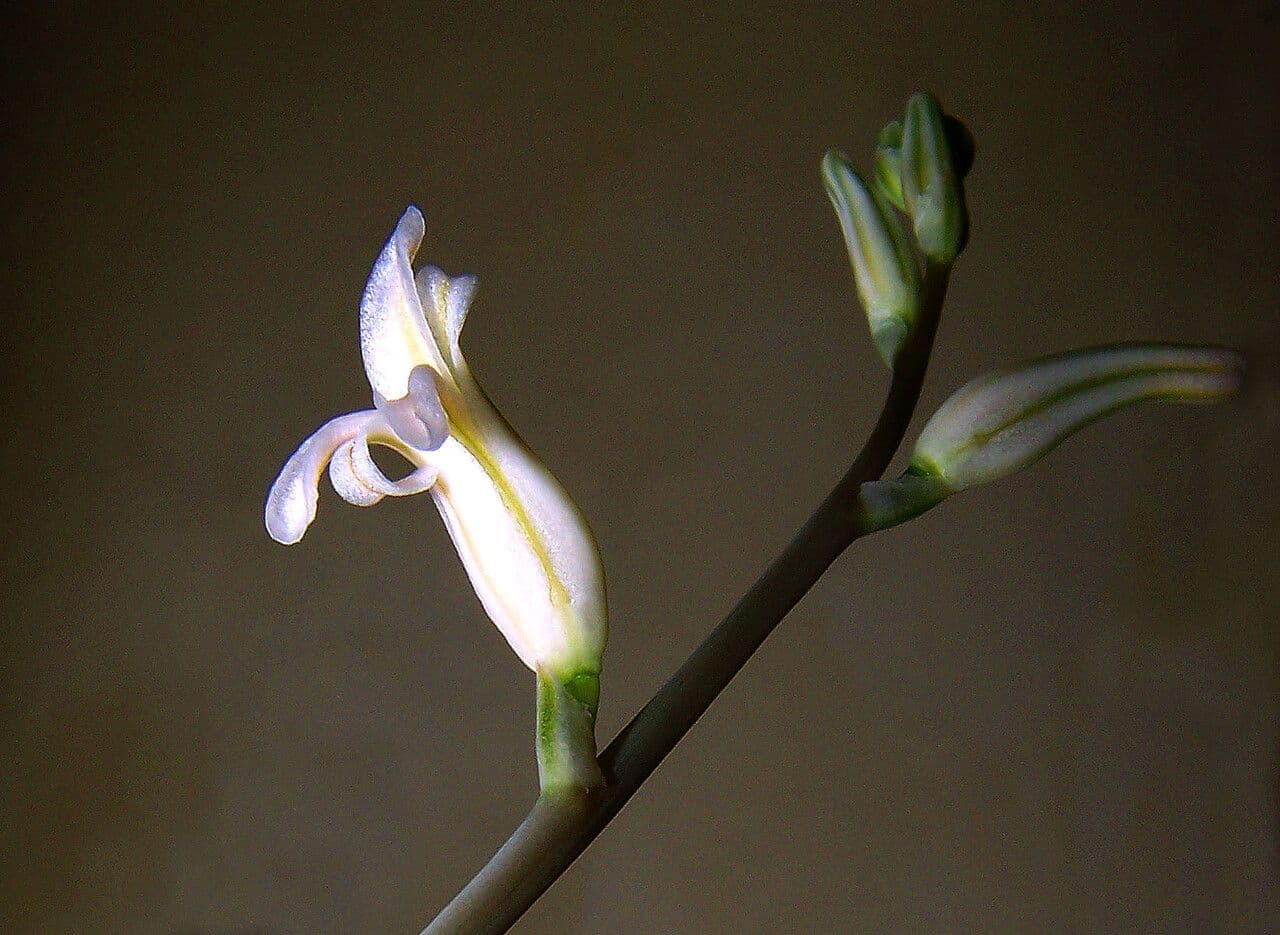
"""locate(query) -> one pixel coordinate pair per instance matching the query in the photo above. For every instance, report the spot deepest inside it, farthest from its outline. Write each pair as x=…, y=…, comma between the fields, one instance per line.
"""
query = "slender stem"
x=521, y=870
x=555, y=833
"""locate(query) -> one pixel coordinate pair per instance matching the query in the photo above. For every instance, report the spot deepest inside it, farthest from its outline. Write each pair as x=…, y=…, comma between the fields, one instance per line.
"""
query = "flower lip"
x=291, y=504
x=418, y=418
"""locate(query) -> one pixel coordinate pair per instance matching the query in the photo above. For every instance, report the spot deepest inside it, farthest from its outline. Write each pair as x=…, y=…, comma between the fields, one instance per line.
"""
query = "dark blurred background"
x=1050, y=704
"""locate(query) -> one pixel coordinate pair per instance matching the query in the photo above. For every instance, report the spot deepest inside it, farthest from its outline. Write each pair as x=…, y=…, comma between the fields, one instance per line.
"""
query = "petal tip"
x=288, y=514
x=412, y=219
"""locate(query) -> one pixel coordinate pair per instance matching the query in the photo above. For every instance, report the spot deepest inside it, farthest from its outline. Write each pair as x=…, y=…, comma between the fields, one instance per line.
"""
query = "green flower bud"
x=1004, y=421
x=885, y=268
x=931, y=186
x=888, y=172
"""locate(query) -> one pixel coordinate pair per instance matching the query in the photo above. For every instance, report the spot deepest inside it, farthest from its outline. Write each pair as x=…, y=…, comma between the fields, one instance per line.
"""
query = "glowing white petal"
x=499, y=557
x=394, y=336
x=561, y=531
x=419, y=418
x=358, y=479
x=291, y=504
x=445, y=302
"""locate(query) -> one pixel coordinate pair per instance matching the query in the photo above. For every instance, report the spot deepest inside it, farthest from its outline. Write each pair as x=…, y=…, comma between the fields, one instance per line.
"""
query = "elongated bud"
x=1004, y=421
x=1001, y=422
x=888, y=162
x=931, y=188
x=884, y=265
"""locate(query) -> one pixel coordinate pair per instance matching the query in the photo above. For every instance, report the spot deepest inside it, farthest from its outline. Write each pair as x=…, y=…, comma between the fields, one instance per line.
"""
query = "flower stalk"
x=559, y=828
x=531, y=556
x=565, y=735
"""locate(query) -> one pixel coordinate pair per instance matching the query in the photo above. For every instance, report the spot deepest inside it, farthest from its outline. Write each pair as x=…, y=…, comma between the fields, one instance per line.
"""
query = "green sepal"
x=887, y=503
x=566, y=742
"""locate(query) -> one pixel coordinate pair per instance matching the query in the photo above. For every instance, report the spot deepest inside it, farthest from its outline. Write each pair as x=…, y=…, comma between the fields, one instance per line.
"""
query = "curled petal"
x=291, y=504
x=419, y=418
x=358, y=479
x=394, y=336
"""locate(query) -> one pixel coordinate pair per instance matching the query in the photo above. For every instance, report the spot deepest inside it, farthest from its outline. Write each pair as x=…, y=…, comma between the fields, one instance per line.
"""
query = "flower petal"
x=418, y=418
x=445, y=301
x=291, y=504
x=549, y=520
x=394, y=336
x=502, y=560
x=358, y=479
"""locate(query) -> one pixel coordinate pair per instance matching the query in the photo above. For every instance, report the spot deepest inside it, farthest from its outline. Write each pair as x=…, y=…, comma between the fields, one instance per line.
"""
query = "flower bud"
x=931, y=188
x=885, y=269
x=888, y=164
x=1004, y=421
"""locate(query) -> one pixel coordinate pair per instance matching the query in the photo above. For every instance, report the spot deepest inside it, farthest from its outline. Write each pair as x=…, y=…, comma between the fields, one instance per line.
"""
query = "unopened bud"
x=885, y=268
x=931, y=188
x=1004, y=421
x=888, y=162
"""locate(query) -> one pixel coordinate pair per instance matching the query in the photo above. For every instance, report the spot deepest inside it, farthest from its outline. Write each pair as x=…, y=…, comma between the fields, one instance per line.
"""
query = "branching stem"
x=563, y=822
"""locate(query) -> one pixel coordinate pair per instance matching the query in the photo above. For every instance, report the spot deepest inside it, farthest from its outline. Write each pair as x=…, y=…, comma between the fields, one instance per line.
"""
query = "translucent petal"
x=562, y=537
x=445, y=302
x=501, y=559
x=419, y=418
x=394, y=336
x=558, y=533
x=358, y=479
x=291, y=504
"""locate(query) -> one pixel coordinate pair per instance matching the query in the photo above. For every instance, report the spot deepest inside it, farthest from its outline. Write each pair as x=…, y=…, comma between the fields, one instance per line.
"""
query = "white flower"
x=527, y=550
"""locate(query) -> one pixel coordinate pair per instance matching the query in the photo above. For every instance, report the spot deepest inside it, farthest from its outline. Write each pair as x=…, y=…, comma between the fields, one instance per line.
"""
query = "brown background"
x=1051, y=704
